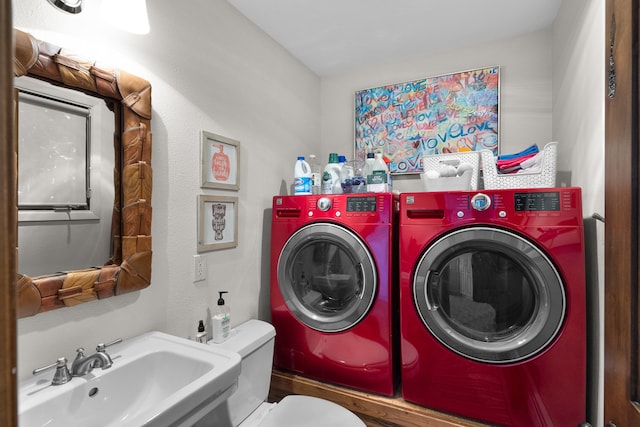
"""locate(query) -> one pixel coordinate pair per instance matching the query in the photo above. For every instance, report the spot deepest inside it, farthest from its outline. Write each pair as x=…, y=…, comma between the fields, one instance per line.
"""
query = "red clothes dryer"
x=492, y=305
x=331, y=289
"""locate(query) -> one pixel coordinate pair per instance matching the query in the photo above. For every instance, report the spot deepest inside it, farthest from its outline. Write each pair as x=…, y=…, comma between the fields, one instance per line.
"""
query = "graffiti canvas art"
x=445, y=114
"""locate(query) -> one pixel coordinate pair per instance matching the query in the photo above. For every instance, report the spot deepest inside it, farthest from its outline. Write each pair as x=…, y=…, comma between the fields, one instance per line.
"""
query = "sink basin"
x=156, y=380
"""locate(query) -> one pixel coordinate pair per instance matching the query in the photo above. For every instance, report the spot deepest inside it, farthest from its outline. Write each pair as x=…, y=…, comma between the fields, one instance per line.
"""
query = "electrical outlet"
x=199, y=268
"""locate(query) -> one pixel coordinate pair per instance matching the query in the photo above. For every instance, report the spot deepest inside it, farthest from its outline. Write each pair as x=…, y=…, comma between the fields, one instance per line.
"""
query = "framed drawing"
x=217, y=223
x=445, y=114
x=220, y=162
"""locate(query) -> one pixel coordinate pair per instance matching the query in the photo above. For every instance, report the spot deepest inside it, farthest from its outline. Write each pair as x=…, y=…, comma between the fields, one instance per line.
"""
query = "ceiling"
x=334, y=36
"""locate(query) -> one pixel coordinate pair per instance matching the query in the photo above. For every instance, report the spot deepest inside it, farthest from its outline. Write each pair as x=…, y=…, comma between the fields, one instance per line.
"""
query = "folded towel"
x=510, y=164
x=533, y=164
x=527, y=151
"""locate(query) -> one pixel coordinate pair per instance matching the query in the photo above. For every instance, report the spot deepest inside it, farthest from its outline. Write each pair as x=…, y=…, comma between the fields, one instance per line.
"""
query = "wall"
x=578, y=123
x=525, y=92
x=212, y=70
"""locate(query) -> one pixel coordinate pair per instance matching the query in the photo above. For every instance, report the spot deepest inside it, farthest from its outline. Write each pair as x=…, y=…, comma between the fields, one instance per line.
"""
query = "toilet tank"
x=254, y=341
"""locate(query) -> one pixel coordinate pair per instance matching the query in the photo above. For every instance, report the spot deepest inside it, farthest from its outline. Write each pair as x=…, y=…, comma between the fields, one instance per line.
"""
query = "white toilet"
x=247, y=406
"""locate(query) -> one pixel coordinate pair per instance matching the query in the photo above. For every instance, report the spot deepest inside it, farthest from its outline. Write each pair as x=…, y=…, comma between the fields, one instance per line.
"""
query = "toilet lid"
x=307, y=411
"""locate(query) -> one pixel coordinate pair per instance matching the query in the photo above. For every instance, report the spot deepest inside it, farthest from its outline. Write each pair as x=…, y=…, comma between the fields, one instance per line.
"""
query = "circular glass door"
x=327, y=277
x=489, y=295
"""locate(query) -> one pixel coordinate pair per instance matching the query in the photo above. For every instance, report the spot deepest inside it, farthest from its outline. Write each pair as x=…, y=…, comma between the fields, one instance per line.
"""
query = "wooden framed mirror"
x=129, y=96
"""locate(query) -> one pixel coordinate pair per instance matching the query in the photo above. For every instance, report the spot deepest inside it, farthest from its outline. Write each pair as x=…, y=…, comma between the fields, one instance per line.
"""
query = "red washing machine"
x=331, y=289
x=492, y=305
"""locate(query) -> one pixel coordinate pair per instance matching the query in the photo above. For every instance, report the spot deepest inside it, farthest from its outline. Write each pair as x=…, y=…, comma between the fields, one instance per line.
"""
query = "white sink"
x=156, y=380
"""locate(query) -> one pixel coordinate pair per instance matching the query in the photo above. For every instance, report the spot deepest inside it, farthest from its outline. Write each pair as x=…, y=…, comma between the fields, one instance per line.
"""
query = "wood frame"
x=219, y=169
x=129, y=268
x=622, y=228
x=217, y=227
x=8, y=222
x=374, y=410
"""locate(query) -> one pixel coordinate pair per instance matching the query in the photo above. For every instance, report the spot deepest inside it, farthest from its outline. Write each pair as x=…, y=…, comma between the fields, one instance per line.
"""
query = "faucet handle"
x=62, y=374
x=101, y=347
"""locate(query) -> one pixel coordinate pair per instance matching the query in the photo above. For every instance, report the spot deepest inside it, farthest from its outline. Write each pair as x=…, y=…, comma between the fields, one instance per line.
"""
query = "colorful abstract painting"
x=445, y=114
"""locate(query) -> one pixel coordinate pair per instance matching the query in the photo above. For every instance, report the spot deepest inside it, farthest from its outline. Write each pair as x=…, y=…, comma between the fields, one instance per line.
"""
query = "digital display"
x=539, y=201
x=361, y=204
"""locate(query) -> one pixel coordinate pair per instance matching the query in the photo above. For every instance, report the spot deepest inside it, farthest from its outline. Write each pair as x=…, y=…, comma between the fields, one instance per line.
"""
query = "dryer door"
x=489, y=295
x=327, y=277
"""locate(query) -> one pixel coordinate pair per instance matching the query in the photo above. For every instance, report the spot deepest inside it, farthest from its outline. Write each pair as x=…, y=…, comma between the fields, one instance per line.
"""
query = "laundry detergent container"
x=247, y=406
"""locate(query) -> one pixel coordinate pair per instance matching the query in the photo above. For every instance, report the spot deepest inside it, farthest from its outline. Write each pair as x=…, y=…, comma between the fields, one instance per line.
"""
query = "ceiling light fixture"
x=69, y=6
x=128, y=15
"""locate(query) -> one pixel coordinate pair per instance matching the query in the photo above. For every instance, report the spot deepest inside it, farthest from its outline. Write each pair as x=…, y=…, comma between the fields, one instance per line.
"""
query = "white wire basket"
x=546, y=178
x=437, y=162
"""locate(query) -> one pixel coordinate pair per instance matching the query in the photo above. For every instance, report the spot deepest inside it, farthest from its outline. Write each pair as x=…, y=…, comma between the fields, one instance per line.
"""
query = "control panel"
x=518, y=205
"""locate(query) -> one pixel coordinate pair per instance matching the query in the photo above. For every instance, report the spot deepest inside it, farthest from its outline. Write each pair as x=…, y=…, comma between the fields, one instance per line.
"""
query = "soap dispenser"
x=221, y=320
x=201, y=336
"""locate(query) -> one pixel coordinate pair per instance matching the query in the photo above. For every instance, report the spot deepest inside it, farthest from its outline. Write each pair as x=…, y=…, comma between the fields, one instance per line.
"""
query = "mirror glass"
x=65, y=178
x=126, y=264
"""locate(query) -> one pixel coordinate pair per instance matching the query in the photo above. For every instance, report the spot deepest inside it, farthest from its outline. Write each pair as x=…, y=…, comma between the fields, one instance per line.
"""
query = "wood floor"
x=374, y=410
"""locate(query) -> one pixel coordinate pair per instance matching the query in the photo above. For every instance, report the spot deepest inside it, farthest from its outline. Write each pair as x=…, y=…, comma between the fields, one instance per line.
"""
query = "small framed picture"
x=217, y=223
x=220, y=162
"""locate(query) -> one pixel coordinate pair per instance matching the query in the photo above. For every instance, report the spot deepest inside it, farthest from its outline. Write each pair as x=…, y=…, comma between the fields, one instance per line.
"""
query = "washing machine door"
x=489, y=294
x=327, y=277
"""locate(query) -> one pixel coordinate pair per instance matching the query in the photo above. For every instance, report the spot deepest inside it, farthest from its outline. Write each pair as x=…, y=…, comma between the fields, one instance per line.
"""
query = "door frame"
x=621, y=315
x=8, y=224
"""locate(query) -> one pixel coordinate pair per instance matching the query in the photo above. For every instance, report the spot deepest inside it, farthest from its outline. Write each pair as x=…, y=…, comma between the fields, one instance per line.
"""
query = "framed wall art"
x=217, y=223
x=444, y=114
x=220, y=162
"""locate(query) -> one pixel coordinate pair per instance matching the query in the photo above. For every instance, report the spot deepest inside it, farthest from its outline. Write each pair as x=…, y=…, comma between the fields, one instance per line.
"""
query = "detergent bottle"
x=302, y=177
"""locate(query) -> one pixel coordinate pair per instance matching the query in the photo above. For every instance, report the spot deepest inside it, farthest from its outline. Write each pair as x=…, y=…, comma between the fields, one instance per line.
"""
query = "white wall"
x=525, y=92
x=578, y=123
x=210, y=69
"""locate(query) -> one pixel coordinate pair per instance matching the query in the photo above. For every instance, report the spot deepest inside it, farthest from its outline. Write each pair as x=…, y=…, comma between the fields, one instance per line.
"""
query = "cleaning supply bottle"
x=201, y=335
x=368, y=167
x=221, y=320
x=341, y=161
x=378, y=179
x=316, y=175
x=387, y=161
x=346, y=174
x=331, y=176
x=302, y=177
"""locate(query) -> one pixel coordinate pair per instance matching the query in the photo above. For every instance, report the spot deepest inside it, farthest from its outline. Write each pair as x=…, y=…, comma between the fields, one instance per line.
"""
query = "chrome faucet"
x=62, y=375
x=82, y=364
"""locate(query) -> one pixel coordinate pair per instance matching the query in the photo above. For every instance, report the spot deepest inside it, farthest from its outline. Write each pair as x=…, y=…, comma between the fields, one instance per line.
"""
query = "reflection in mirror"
x=65, y=178
x=129, y=97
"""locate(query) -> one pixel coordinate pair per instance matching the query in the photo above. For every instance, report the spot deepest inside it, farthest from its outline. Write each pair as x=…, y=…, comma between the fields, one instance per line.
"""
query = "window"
x=54, y=146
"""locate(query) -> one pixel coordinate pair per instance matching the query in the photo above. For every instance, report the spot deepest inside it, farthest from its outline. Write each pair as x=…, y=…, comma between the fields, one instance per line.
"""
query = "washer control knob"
x=480, y=202
x=324, y=204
